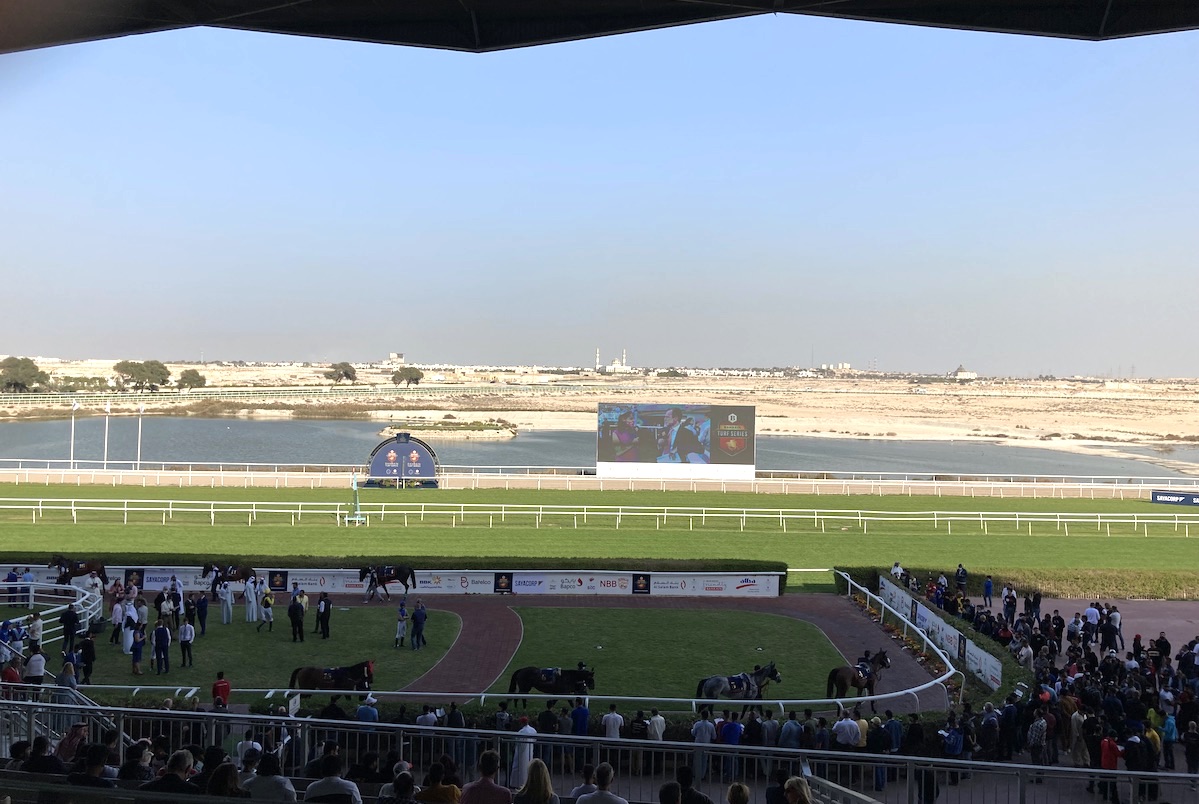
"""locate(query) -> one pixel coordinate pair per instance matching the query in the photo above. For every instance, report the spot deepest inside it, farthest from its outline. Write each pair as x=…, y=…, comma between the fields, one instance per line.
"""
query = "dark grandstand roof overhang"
x=484, y=25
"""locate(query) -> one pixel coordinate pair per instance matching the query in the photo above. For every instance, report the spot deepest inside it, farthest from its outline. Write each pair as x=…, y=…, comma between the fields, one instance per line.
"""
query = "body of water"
x=169, y=439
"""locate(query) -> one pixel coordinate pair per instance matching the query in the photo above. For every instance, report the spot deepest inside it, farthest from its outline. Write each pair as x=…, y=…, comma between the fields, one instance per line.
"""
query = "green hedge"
x=150, y=559
x=1081, y=582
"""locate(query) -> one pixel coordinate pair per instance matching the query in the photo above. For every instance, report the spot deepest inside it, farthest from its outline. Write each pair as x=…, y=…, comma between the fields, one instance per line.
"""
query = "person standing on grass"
x=419, y=616
x=324, y=609
x=266, y=611
x=139, y=645
x=401, y=624
x=251, y=596
x=202, y=613
x=225, y=596
x=118, y=620
x=87, y=657
x=187, y=635
x=295, y=613
x=161, y=642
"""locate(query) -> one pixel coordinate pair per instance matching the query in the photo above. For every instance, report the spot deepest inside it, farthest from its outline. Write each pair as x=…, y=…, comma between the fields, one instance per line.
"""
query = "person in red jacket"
x=221, y=688
x=1110, y=753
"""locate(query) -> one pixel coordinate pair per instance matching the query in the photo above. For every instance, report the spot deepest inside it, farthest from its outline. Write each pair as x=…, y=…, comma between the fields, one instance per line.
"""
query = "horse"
x=355, y=677
x=552, y=681
x=381, y=576
x=70, y=568
x=850, y=676
x=742, y=687
x=227, y=573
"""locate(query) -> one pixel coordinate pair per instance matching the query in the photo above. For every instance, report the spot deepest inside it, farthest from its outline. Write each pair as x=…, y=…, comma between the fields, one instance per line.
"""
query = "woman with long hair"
x=538, y=789
x=223, y=782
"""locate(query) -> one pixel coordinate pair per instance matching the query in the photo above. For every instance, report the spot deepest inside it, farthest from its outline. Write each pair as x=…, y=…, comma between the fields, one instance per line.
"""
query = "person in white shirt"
x=251, y=595
x=187, y=635
x=35, y=666
x=225, y=595
x=702, y=732
x=245, y=745
x=331, y=781
x=94, y=585
x=35, y=629
x=118, y=619
x=612, y=722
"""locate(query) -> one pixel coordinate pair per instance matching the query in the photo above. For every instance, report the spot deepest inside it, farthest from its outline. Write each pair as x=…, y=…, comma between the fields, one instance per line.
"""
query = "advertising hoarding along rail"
x=482, y=582
x=1174, y=497
x=675, y=441
x=978, y=661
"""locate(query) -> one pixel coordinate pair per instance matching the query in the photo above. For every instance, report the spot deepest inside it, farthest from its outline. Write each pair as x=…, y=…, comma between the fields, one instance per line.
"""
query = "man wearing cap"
x=367, y=713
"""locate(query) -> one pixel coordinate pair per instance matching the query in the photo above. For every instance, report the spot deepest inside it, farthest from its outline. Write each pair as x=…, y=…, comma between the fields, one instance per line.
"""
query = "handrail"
x=796, y=474
x=692, y=515
x=950, y=671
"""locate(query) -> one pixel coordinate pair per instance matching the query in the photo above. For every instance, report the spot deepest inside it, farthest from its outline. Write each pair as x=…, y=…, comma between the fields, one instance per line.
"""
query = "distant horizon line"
x=615, y=369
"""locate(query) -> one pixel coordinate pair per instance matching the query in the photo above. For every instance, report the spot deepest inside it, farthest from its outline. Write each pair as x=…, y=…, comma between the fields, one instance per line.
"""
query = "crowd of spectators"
x=1096, y=699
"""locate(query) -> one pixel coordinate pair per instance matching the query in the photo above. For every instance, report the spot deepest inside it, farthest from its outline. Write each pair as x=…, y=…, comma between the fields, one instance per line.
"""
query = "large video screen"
x=721, y=435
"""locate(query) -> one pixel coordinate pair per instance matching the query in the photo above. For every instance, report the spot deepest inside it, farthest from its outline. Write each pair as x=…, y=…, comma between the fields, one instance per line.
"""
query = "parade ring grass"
x=647, y=652
x=254, y=659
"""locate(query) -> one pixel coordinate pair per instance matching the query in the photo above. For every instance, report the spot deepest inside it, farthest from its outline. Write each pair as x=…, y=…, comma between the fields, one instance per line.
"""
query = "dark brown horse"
x=381, y=576
x=851, y=676
x=71, y=568
x=552, y=680
x=228, y=573
x=355, y=677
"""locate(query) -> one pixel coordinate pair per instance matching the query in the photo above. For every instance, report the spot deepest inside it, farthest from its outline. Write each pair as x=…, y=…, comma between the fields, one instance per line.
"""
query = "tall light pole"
x=141, y=409
x=107, y=412
x=74, y=407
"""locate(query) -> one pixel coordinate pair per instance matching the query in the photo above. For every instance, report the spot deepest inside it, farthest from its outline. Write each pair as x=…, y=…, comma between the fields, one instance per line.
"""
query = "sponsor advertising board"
x=1174, y=497
x=481, y=582
x=972, y=658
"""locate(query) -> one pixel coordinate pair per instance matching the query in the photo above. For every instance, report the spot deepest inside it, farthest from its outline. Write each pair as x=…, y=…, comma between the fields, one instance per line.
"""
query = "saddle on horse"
x=740, y=683
x=549, y=675
x=864, y=671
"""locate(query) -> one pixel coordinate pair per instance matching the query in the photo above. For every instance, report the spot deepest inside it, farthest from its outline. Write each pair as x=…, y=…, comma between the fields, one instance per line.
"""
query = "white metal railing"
x=835, y=776
x=950, y=671
x=856, y=478
x=51, y=600
x=493, y=515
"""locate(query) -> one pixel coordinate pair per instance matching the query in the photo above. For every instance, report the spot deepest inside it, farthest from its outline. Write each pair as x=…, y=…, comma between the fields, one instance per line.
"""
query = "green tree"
x=410, y=375
x=190, y=378
x=152, y=374
x=21, y=375
x=341, y=371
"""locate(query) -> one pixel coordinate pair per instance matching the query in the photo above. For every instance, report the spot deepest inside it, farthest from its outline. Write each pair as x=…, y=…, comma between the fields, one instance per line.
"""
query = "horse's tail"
x=512, y=683
x=291, y=685
x=832, y=677
x=412, y=577
x=699, y=688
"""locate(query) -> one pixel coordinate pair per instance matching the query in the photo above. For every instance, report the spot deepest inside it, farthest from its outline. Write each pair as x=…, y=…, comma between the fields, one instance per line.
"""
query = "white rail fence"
x=402, y=513
x=314, y=476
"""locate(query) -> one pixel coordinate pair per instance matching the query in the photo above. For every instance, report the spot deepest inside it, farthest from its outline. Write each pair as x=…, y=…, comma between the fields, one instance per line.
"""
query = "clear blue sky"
x=753, y=192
